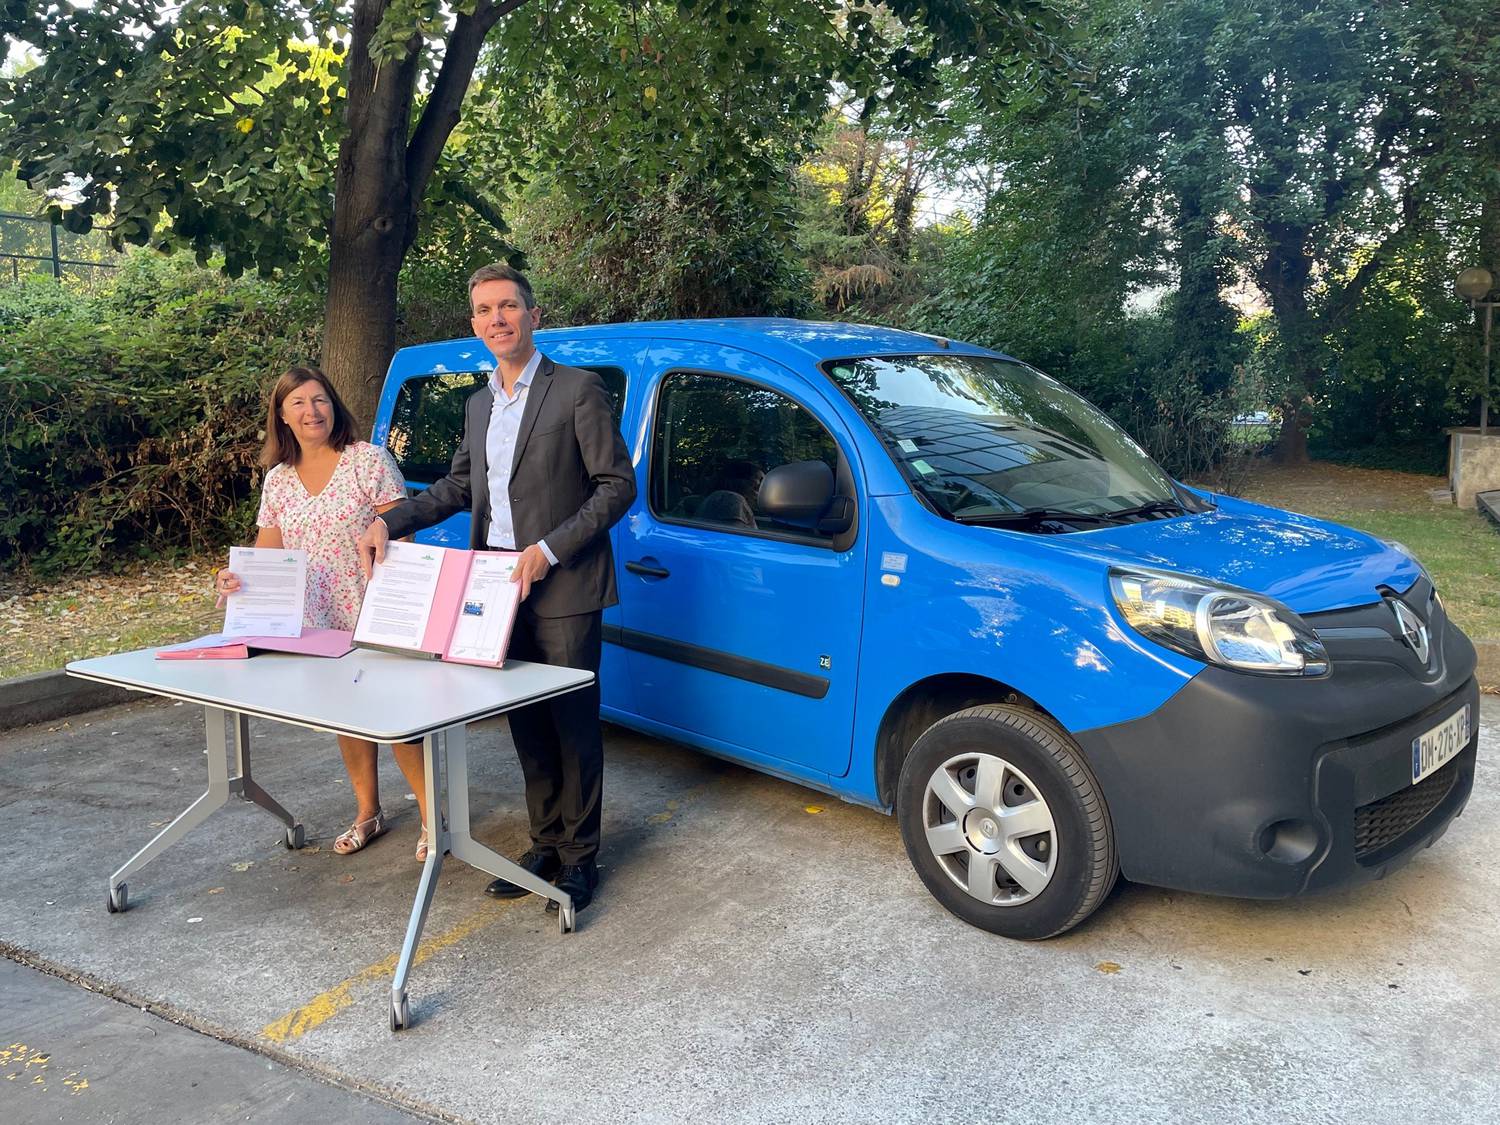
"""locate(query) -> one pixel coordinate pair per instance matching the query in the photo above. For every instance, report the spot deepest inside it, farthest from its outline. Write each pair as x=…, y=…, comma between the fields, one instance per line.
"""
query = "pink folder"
x=215, y=652
x=312, y=642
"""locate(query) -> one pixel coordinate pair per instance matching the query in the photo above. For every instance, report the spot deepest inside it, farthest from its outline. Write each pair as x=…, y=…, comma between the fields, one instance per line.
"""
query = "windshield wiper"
x=1154, y=508
x=1039, y=515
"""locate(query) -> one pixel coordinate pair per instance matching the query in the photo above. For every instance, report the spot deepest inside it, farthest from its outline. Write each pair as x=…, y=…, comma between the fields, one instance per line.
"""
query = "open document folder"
x=440, y=601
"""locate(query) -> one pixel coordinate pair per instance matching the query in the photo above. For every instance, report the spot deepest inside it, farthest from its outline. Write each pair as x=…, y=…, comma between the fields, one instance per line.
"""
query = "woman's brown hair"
x=281, y=446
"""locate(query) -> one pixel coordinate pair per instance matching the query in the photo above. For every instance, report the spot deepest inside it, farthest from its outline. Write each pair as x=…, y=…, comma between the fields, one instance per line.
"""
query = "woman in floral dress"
x=321, y=490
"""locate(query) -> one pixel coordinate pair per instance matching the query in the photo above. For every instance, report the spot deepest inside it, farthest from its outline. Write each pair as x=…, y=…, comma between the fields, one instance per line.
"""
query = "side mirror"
x=797, y=492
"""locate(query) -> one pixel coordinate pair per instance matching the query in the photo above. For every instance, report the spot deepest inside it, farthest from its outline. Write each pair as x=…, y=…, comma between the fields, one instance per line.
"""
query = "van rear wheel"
x=1005, y=822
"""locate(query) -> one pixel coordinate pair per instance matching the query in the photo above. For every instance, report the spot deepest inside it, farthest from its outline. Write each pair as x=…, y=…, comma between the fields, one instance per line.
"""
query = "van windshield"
x=989, y=440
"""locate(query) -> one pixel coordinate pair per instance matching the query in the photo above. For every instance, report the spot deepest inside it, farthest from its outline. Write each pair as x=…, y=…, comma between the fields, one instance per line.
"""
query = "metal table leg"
x=220, y=787
x=190, y=817
x=450, y=747
x=248, y=789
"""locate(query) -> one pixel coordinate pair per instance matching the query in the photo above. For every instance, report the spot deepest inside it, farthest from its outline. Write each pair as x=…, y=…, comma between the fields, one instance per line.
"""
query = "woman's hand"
x=225, y=583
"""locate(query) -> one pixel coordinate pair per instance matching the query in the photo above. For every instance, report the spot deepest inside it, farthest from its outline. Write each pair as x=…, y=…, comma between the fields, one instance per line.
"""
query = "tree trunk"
x=383, y=170
x=1296, y=416
x=904, y=205
x=1303, y=350
x=1285, y=276
x=374, y=220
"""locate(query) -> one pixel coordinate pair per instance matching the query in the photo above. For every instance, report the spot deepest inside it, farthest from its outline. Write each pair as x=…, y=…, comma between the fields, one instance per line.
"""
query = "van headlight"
x=1218, y=624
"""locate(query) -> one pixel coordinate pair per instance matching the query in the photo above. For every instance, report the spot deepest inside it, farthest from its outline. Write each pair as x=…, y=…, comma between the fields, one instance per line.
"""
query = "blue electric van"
x=928, y=578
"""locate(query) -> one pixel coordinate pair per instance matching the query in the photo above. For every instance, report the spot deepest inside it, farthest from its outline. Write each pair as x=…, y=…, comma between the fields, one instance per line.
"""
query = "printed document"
x=273, y=588
x=398, y=601
x=487, y=611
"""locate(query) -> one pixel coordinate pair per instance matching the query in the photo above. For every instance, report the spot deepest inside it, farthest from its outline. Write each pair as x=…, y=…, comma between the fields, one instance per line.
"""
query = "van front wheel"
x=1005, y=822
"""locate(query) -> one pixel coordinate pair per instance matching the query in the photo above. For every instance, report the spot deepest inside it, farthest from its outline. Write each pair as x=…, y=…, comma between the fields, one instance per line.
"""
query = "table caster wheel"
x=295, y=838
x=565, y=919
x=119, y=897
x=400, y=1016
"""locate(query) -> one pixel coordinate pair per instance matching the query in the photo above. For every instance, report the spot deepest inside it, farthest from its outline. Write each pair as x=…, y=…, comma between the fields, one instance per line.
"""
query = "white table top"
x=397, y=699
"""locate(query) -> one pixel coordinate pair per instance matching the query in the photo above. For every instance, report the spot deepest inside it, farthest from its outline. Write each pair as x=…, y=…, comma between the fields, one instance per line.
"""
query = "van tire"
x=1039, y=762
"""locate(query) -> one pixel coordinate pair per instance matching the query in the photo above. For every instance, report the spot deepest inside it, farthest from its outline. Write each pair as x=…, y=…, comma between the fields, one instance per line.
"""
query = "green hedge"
x=130, y=420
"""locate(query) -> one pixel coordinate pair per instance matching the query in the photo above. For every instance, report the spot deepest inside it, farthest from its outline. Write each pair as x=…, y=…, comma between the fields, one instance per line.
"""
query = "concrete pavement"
x=105, y=1061
x=759, y=953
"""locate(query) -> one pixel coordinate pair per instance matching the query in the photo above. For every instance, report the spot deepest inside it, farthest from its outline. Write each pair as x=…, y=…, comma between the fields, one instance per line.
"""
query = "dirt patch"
x=1325, y=487
x=43, y=625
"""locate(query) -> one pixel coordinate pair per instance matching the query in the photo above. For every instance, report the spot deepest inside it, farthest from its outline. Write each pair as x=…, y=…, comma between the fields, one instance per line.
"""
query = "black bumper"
x=1263, y=787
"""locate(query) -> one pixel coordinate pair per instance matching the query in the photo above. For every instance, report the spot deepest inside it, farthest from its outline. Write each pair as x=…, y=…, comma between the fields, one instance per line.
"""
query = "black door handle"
x=648, y=571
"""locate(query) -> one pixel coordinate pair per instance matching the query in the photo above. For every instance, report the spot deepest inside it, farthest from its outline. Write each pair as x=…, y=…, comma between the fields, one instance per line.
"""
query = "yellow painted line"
x=323, y=1007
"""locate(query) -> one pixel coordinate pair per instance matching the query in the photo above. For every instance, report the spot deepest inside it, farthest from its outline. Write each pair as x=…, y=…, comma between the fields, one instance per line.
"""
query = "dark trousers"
x=558, y=740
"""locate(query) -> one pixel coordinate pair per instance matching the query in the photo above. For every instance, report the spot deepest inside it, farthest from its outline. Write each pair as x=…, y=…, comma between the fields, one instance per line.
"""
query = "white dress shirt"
x=500, y=453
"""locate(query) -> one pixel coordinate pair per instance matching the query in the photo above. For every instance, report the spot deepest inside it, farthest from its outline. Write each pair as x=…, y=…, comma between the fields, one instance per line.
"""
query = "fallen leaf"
x=215, y=890
x=1107, y=967
x=246, y=866
x=346, y=878
x=814, y=809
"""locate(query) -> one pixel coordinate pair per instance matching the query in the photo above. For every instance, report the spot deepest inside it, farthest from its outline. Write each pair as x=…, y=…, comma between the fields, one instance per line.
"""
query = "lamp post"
x=1474, y=285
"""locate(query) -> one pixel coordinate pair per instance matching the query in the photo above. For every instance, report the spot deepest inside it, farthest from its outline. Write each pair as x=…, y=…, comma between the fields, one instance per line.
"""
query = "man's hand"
x=531, y=567
x=371, y=545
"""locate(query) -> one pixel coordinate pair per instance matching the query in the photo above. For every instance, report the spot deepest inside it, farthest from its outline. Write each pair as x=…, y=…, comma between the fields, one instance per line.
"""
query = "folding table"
x=378, y=696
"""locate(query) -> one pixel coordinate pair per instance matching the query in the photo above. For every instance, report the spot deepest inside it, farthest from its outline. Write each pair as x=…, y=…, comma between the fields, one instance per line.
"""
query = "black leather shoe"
x=544, y=865
x=580, y=880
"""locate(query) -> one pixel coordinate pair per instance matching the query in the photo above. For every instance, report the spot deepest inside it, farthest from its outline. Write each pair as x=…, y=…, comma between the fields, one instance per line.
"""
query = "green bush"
x=130, y=420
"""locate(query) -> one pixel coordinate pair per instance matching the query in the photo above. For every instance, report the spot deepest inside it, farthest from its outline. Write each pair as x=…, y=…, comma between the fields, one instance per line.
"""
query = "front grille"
x=1381, y=822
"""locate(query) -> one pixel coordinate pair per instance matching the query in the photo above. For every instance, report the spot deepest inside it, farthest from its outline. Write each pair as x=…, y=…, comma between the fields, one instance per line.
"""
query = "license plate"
x=1432, y=750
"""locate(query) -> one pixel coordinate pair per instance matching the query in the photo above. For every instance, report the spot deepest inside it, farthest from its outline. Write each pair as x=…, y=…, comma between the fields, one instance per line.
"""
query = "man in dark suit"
x=543, y=470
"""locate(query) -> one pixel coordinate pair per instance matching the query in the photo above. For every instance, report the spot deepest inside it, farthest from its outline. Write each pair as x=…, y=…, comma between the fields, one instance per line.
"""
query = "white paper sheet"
x=398, y=601
x=273, y=588
x=487, y=609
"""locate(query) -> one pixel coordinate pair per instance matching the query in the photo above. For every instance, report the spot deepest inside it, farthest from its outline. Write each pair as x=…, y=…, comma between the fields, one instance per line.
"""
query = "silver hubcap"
x=990, y=829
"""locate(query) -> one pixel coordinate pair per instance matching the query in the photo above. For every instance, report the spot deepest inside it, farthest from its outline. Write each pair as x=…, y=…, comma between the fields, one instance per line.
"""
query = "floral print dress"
x=327, y=525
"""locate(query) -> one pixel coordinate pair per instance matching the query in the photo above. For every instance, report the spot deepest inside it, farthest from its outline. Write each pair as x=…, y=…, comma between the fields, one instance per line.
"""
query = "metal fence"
x=30, y=245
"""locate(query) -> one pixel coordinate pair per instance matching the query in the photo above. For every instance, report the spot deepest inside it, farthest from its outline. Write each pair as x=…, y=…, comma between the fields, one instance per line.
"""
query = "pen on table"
x=358, y=672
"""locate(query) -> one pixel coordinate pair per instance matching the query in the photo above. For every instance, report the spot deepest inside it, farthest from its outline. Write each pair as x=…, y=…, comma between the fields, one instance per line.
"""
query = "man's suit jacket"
x=570, y=482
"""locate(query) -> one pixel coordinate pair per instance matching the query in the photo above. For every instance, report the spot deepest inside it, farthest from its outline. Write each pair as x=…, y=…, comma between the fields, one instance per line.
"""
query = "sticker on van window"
x=923, y=467
x=906, y=445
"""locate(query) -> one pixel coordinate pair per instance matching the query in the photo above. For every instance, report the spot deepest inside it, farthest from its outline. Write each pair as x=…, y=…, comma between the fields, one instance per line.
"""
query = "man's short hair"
x=500, y=271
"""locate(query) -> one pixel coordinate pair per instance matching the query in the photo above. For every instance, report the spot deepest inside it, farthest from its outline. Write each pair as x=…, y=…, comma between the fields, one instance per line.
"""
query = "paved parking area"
x=759, y=953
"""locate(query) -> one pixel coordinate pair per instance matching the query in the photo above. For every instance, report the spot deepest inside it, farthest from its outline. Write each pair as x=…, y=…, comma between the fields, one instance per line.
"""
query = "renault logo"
x=1413, y=631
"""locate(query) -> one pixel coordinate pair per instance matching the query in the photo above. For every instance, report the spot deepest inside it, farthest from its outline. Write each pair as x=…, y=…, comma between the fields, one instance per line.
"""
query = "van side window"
x=428, y=418
x=428, y=421
x=715, y=438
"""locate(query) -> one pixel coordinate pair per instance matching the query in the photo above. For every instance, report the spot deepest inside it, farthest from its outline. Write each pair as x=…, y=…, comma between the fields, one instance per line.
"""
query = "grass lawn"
x=43, y=626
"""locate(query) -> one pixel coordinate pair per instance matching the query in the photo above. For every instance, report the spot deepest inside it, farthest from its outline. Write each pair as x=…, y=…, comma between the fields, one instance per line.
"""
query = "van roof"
x=772, y=337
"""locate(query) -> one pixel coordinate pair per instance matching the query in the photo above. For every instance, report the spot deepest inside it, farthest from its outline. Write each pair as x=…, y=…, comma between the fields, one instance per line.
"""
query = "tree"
x=266, y=130
x=1340, y=119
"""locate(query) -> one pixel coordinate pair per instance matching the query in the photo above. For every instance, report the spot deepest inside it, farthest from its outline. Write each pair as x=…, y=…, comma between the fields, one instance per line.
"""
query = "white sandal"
x=423, y=844
x=360, y=833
